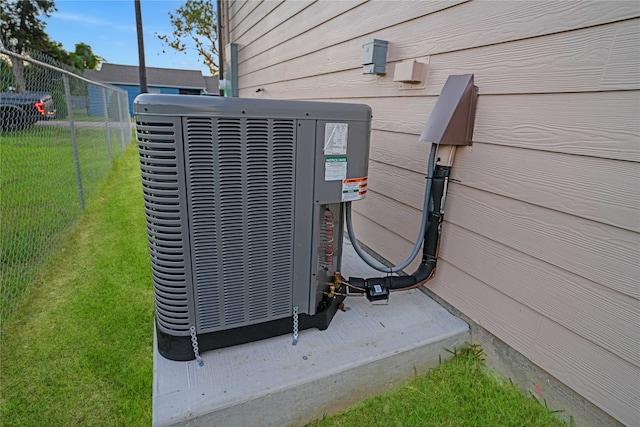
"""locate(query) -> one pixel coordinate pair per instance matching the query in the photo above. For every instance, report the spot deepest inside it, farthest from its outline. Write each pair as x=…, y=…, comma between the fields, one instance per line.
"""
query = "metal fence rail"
x=59, y=136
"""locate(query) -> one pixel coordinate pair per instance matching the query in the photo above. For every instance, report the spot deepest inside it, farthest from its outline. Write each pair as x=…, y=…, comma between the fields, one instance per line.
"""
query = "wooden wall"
x=541, y=240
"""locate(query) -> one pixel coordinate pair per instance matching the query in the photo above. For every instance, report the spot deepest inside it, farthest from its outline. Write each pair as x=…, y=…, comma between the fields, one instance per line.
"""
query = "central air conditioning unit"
x=244, y=206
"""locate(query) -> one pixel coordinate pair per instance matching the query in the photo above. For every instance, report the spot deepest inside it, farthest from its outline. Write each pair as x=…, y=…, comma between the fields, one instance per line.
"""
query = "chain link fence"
x=59, y=136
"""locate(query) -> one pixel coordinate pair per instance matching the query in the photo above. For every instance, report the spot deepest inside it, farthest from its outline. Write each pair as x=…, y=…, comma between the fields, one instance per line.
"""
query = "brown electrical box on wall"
x=452, y=119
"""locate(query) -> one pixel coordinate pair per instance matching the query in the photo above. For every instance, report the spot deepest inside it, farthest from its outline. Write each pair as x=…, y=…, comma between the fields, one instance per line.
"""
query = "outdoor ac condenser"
x=244, y=206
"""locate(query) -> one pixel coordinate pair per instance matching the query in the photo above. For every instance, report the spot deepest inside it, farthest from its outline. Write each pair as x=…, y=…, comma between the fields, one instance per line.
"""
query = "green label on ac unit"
x=335, y=168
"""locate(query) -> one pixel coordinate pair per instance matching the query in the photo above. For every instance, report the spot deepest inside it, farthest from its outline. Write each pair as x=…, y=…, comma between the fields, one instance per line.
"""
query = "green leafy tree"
x=60, y=104
x=55, y=51
x=6, y=76
x=22, y=29
x=83, y=58
x=195, y=20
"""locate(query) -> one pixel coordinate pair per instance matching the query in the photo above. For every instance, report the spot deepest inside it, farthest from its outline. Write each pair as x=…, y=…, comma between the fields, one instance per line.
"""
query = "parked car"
x=21, y=110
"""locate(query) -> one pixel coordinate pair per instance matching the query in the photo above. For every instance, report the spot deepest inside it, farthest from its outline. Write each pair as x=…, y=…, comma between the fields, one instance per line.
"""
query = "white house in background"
x=541, y=242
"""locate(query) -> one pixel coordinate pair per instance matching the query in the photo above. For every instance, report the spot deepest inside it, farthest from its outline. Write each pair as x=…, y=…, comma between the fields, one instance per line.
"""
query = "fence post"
x=72, y=128
x=127, y=118
x=106, y=123
x=126, y=123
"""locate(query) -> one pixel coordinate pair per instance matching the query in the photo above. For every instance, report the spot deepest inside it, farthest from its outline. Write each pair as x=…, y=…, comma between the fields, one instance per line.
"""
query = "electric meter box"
x=244, y=201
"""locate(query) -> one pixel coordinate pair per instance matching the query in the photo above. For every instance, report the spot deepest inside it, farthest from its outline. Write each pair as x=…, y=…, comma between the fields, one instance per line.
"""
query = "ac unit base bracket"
x=180, y=348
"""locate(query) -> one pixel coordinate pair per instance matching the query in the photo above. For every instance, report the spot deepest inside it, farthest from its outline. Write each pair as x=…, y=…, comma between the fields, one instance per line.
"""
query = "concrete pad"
x=365, y=350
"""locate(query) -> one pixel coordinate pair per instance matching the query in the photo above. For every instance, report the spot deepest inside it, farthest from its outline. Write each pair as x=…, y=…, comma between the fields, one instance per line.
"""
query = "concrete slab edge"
x=306, y=402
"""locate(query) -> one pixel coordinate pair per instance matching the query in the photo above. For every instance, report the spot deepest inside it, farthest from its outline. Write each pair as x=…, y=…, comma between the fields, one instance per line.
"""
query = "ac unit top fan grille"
x=167, y=243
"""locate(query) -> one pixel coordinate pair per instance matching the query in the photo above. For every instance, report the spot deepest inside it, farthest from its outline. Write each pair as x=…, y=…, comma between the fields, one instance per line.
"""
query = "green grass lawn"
x=78, y=351
x=81, y=115
x=39, y=198
x=462, y=392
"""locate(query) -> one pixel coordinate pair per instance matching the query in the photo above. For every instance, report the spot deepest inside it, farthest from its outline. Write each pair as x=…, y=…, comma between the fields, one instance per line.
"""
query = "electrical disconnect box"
x=244, y=201
x=374, y=57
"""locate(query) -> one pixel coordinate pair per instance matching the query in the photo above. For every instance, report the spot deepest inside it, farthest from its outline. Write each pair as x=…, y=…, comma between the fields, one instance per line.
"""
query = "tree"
x=6, y=76
x=83, y=58
x=22, y=28
x=195, y=20
x=55, y=51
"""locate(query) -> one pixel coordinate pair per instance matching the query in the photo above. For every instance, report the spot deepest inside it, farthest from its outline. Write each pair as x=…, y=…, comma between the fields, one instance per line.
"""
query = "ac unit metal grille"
x=241, y=191
x=163, y=211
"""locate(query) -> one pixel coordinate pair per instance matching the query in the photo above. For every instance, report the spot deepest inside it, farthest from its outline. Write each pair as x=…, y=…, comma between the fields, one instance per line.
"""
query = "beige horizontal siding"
x=603, y=190
x=305, y=26
x=599, y=375
x=326, y=23
x=596, y=124
x=254, y=13
x=401, y=150
x=234, y=5
x=269, y=22
x=378, y=207
x=434, y=34
x=562, y=182
x=405, y=186
x=240, y=9
x=624, y=58
x=602, y=124
x=602, y=315
x=518, y=67
x=395, y=249
x=602, y=254
x=542, y=227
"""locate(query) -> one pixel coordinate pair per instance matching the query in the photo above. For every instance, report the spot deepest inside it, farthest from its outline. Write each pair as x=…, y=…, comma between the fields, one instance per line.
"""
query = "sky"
x=109, y=27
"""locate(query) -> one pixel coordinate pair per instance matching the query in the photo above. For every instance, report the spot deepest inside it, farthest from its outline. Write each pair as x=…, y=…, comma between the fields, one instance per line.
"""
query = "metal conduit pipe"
x=378, y=287
x=374, y=263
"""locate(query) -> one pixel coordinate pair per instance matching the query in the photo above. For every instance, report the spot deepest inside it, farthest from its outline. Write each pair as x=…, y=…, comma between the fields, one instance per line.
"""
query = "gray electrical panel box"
x=244, y=204
x=374, y=57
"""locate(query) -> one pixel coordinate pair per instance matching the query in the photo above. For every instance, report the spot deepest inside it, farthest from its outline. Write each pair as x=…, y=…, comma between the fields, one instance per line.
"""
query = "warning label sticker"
x=335, y=168
x=354, y=189
x=335, y=138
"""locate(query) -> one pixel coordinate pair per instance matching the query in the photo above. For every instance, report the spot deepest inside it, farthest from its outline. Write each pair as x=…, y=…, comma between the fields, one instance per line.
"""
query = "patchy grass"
x=78, y=352
x=461, y=392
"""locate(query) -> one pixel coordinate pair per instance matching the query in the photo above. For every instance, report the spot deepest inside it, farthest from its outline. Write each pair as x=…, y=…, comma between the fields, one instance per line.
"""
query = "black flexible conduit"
x=437, y=177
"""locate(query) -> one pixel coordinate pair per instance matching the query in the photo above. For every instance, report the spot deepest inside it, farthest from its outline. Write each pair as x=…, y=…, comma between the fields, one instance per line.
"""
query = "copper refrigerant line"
x=328, y=238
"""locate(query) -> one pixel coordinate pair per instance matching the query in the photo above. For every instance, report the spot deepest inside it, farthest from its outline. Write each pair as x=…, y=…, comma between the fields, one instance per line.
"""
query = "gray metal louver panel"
x=282, y=196
x=240, y=190
x=159, y=162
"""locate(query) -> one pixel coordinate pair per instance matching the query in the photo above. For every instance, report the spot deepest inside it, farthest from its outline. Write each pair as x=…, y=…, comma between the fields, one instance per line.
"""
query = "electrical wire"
x=354, y=287
x=417, y=285
x=374, y=263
